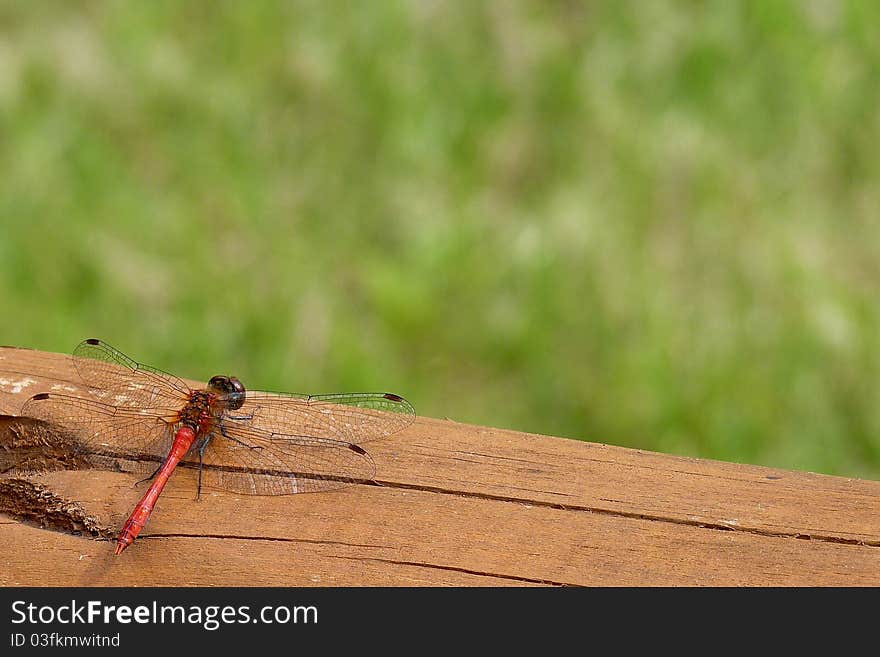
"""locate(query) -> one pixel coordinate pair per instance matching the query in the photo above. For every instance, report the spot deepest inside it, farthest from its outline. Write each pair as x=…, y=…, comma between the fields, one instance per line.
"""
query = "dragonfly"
x=136, y=418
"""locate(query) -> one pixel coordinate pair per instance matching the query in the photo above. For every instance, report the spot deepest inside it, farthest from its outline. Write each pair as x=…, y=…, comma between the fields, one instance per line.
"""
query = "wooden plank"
x=453, y=504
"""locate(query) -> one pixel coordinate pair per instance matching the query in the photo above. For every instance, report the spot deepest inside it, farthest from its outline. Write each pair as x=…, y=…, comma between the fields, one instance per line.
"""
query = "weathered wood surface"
x=453, y=504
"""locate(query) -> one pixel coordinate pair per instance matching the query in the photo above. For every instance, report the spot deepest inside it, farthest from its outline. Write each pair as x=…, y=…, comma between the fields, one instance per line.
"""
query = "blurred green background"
x=650, y=224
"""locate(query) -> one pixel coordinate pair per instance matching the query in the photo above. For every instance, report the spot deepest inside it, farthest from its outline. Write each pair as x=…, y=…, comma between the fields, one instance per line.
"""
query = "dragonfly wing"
x=125, y=382
x=110, y=438
x=245, y=459
x=349, y=418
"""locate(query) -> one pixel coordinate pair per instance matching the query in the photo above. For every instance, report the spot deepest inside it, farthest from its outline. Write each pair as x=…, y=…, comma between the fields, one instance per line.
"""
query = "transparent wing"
x=126, y=382
x=111, y=438
x=349, y=418
x=245, y=459
x=280, y=444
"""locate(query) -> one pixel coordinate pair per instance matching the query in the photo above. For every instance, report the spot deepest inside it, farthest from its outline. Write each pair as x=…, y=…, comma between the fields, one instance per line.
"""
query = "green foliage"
x=648, y=224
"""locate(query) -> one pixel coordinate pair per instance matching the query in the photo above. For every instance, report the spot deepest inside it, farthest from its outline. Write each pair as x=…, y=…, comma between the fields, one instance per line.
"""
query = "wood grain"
x=452, y=504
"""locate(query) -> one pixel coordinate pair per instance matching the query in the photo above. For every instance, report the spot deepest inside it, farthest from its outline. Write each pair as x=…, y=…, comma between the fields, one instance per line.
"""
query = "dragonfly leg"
x=201, y=454
x=249, y=416
x=236, y=440
x=155, y=472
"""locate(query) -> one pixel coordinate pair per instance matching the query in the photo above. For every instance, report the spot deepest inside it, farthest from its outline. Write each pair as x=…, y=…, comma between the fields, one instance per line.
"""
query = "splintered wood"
x=451, y=504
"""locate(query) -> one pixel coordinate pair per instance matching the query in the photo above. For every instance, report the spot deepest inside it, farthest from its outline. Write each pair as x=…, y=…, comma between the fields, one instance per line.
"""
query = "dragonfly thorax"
x=228, y=389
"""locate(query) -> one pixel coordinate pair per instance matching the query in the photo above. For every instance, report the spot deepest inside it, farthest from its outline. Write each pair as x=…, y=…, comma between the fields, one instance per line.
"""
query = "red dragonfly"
x=135, y=418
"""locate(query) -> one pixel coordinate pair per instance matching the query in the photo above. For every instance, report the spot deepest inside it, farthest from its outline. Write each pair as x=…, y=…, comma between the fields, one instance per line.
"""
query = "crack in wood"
x=717, y=526
x=275, y=539
x=456, y=569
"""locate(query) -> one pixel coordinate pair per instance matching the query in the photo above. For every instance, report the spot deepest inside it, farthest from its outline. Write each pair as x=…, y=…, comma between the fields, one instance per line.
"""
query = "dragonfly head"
x=229, y=389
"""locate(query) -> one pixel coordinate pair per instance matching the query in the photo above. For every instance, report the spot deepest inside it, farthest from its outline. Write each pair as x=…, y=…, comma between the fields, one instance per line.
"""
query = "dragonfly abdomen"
x=183, y=440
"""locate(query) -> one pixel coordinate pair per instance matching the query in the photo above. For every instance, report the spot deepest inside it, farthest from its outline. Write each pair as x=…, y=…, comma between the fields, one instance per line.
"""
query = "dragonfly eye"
x=230, y=388
x=236, y=396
